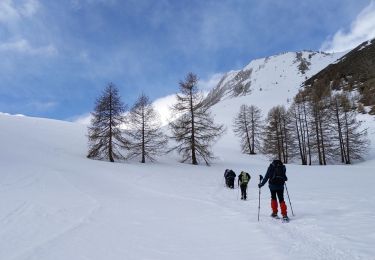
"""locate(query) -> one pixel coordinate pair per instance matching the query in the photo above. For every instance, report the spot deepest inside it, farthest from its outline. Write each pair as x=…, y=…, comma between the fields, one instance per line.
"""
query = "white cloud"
x=361, y=29
x=24, y=47
x=210, y=82
x=78, y=4
x=84, y=119
x=29, y=8
x=15, y=16
x=7, y=114
x=41, y=106
x=11, y=12
x=162, y=106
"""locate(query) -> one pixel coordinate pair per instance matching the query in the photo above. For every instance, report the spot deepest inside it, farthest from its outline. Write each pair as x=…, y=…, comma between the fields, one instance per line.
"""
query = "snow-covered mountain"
x=283, y=74
x=354, y=72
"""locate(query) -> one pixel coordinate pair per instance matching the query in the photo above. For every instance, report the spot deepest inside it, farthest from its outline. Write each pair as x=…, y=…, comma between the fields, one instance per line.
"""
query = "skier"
x=276, y=177
x=243, y=180
x=229, y=176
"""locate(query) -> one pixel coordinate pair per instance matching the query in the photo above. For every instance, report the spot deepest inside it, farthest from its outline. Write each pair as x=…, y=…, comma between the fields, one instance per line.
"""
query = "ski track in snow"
x=25, y=209
x=83, y=220
x=300, y=238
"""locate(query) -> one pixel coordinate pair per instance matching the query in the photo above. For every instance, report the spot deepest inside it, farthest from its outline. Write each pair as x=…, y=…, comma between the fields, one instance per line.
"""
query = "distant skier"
x=276, y=177
x=243, y=180
x=229, y=176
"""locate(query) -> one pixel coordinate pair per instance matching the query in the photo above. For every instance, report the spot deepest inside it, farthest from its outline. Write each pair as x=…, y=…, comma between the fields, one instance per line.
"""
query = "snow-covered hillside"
x=276, y=78
x=56, y=204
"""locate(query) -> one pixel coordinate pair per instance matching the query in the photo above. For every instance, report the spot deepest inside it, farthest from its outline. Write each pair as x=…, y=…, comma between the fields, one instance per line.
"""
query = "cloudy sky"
x=57, y=56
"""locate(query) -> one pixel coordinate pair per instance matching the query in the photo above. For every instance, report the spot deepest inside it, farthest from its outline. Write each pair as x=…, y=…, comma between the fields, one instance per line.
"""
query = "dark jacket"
x=229, y=174
x=270, y=173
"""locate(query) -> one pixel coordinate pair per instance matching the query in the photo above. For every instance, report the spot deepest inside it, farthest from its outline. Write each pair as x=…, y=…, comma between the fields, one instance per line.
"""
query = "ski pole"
x=286, y=188
x=260, y=181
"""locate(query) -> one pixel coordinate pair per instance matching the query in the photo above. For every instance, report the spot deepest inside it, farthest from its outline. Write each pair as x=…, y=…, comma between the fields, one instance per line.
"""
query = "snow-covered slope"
x=56, y=204
x=276, y=78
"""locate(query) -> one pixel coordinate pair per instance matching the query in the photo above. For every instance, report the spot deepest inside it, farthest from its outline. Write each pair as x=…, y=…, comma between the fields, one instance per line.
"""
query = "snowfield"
x=56, y=204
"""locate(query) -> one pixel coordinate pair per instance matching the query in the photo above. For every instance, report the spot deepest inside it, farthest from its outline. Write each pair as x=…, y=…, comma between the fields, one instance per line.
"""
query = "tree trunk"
x=278, y=142
x=285, y=140
x=299, y=139
x=252, y=133
x=322, y=140
x=340, y=131
x=110, y=148
x=317, y=137
x=307, y=131
x=143, y=137
x=247, y=135
x=193, y=156
x=348, y=161
x=303, y=136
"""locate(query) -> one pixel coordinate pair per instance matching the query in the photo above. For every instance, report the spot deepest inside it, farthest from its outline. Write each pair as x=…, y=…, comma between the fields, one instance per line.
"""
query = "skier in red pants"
x=276, y=177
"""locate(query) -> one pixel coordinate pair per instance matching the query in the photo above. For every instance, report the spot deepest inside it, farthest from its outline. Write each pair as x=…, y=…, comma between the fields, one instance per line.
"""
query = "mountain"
x=285, y=71
x=354, y=71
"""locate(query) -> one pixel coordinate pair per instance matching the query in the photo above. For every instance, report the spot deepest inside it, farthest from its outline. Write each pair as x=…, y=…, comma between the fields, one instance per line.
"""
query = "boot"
x=283, y=209
x=274, y=208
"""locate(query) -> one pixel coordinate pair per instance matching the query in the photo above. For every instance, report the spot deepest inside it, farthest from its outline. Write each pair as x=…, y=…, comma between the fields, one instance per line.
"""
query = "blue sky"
x=57, y=56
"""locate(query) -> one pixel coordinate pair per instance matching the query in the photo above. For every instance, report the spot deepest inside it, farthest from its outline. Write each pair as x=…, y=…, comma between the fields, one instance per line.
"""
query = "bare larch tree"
x=194, y=130
x=352, y=137
x=247, y=126
x=300, y=130
x=276, y=138
x=105, y=136
x=147, y=139
x=321, y=117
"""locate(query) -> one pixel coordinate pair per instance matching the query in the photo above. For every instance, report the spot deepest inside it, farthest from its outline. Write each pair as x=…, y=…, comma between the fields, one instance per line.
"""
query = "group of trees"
x=248, y=125
x=115, y=131
x=319, y=127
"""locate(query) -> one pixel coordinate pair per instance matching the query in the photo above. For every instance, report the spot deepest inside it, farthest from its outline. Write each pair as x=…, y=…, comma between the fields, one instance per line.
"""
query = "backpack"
x=278, y=174
x=245, y=177
x=230, y=174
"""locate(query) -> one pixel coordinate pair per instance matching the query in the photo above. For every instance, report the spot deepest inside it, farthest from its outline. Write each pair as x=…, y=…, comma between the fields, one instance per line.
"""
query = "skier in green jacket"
x=243, y=180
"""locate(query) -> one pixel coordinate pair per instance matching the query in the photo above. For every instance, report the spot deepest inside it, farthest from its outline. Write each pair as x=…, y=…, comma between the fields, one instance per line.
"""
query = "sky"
x=56, y=57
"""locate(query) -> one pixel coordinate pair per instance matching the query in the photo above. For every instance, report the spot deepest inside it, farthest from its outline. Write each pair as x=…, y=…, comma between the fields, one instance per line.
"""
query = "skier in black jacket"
x=229, y=176
x=276, y=177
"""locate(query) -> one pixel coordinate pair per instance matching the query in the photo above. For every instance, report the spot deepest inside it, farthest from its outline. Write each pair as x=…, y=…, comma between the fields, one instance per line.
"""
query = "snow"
x=57, y=204
x=280, y=72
